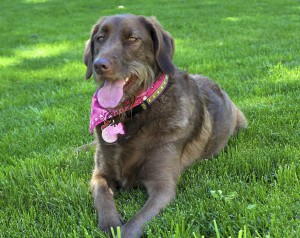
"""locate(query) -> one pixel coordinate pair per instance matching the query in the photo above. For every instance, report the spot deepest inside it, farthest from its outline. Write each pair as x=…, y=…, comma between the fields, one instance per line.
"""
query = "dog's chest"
x=126, y=166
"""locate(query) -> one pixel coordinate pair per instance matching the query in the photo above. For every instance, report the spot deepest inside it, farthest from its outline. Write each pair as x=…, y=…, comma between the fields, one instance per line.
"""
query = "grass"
x=251, y=48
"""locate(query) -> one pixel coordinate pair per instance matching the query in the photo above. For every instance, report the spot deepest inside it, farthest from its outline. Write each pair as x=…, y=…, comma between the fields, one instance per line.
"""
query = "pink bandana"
x=100, y=115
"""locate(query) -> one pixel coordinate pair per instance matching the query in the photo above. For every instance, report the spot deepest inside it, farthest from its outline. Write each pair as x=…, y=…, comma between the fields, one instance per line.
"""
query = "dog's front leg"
x=104, y=203
x=159, y=197
x=160, y=177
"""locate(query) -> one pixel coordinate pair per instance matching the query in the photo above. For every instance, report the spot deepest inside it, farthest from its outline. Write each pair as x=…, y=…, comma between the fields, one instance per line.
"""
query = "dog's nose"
x=102, y=65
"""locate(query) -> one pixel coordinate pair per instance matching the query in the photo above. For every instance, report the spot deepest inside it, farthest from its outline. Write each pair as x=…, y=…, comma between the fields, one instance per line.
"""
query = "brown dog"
x=187, y=119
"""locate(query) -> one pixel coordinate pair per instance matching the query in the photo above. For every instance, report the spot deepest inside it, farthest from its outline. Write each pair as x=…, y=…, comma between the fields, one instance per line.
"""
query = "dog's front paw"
x=105, y=224
x=131, y=231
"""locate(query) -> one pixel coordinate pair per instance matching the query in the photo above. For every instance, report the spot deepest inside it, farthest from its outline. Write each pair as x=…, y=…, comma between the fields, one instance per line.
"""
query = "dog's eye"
x=132, y=39
x=99, y=38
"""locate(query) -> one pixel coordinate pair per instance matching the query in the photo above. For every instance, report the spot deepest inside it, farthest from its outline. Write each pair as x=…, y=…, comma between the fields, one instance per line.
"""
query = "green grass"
x=251, y=48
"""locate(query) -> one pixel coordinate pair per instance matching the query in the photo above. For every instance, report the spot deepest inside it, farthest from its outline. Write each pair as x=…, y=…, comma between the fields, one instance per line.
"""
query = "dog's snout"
x=102, y=65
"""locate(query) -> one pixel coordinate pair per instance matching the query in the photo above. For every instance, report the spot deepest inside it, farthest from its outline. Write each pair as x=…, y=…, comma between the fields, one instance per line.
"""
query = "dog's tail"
x=241, y=121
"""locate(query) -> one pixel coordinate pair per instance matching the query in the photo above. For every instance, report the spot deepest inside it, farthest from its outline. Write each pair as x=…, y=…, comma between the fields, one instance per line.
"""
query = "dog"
x=150, y=120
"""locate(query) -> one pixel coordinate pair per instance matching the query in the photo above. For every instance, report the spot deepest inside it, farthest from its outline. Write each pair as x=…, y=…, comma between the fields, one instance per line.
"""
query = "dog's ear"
x=88, y=59
x=163, y=45
x=89, y=50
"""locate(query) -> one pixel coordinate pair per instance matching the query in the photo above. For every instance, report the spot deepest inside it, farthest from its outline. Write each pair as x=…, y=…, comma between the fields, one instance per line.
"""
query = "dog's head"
x=126, y=53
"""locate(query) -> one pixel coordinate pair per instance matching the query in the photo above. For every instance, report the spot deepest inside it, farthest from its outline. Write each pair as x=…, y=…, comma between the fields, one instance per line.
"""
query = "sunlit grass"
x=250, y=48
x=35, y=1
x=43, y=50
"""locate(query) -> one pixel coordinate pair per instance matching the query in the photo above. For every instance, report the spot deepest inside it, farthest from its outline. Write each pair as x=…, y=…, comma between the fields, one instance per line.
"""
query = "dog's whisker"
x=144, y=73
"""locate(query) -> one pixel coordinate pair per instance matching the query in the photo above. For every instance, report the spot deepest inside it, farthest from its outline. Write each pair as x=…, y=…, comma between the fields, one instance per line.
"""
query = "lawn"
x=251, y=48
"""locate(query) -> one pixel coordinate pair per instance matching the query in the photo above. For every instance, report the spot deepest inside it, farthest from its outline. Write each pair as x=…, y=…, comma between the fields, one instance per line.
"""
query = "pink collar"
x=100, y=115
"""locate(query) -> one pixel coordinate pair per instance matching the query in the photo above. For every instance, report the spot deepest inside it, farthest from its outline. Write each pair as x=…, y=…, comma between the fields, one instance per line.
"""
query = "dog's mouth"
x=112, y=92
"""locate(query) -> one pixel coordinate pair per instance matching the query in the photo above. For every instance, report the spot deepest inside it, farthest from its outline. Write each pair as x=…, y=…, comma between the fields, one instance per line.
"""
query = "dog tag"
x=110, y=133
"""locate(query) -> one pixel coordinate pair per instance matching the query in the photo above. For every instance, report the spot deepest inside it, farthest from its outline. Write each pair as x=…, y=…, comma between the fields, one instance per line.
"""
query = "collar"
x=143, y=100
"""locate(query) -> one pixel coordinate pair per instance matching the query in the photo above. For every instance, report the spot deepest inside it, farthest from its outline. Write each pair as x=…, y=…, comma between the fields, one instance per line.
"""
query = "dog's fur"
x=192, y=120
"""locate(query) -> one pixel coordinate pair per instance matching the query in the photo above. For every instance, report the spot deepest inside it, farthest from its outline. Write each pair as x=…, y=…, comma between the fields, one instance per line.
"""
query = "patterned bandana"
x=100, y=115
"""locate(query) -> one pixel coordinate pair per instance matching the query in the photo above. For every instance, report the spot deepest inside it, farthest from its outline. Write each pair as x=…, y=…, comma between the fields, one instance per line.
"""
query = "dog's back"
x=226, y=119
x=202, y=113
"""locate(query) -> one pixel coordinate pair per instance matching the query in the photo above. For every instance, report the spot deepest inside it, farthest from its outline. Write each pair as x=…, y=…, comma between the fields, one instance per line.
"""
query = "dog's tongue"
x=110, y=94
